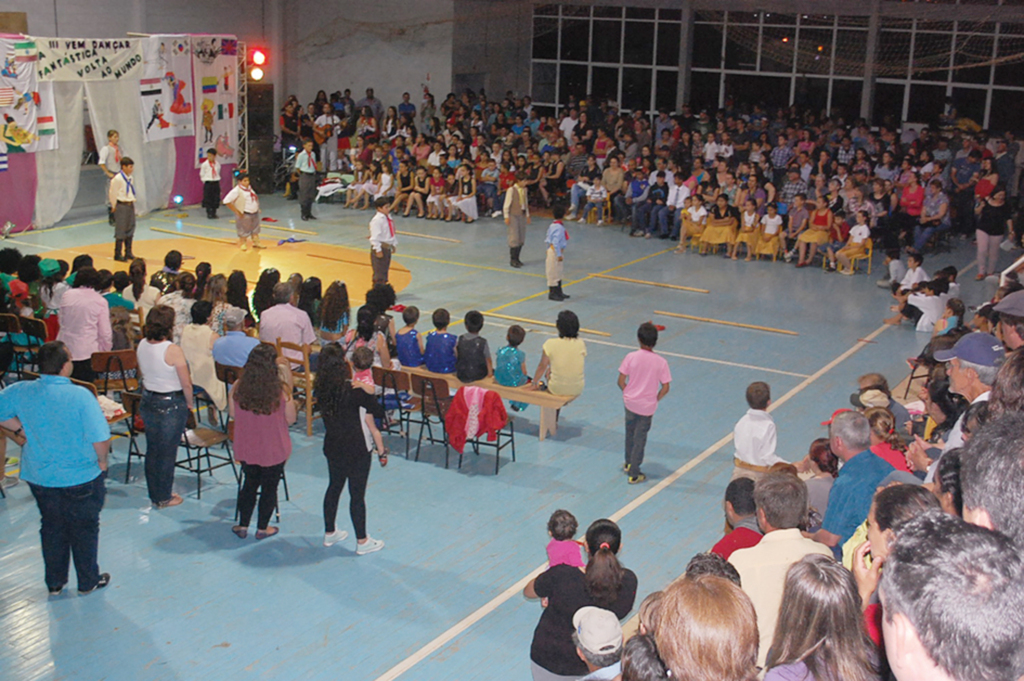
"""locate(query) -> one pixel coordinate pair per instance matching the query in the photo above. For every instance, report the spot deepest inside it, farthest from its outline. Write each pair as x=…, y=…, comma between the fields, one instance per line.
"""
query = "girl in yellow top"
x=749, y=221
x=722, y=223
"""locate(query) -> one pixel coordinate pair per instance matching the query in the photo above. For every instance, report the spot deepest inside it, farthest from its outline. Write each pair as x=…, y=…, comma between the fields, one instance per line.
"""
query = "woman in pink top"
x=84, y=323
x=262, y=407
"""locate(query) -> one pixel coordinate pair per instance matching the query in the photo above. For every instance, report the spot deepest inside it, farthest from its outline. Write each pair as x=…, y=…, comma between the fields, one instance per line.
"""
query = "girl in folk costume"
x=244, y=203
x=465, y=200
x=209, y=173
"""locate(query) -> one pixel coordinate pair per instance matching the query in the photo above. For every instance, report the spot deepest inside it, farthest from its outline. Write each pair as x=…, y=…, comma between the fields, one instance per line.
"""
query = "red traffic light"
x=259, y=57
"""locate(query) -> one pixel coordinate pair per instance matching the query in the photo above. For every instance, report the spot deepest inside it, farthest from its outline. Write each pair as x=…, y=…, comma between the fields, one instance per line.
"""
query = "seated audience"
x=234, y=347
x=439, y=353
x=472, y=354
x=823, y=466
x=408, y=342
x=992, y=477
x=754, y=435
x=562, y=359
x=197, y=341
x=286, y=322
x=741, y=515
x=598, y=639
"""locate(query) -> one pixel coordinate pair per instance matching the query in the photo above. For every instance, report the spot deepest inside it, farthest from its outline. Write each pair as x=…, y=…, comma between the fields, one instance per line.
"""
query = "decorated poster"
x=165, y=86
x=86, y=59
x=27, y=117
x=215, y=71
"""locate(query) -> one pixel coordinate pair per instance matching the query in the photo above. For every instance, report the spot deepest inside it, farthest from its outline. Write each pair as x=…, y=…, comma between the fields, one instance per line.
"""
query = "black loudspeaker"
x=261, y=110
x=261, y=165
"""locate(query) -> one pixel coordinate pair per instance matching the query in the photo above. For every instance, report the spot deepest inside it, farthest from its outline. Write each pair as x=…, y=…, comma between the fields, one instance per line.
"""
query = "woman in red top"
x=911, y=204
x=262, y=407
x=817, y=235
x=989, y=179
x=885, y=442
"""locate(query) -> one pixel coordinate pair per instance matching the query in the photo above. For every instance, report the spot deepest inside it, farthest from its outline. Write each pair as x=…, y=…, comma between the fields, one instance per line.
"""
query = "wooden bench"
x=549, y=404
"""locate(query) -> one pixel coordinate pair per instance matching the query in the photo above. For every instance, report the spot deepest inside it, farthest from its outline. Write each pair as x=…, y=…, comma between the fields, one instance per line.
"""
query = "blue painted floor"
x=189, y=600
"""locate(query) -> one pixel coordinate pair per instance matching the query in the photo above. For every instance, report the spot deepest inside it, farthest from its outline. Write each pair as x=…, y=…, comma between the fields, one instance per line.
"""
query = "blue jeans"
x=490, y=193
x=71, y=527
x=676, y=222
x=165, y=416
x=657, y=217
x=591, y=206
x=620, y=210
x=578, y=192
x=641, y=213
x=922, y=234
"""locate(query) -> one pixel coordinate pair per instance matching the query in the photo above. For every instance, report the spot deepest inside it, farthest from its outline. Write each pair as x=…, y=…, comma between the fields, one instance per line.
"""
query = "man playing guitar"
x=326, y=126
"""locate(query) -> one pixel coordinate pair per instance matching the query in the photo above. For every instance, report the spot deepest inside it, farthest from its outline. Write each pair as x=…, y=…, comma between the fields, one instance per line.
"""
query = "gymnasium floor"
x=443, y=599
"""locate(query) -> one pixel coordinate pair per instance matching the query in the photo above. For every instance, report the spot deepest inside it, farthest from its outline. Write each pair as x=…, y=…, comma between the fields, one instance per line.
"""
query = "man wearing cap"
x=972, y=365
x=598, y=639
x=234, y=347
x=876, y=381
x=854, y=488
x=1011, y=320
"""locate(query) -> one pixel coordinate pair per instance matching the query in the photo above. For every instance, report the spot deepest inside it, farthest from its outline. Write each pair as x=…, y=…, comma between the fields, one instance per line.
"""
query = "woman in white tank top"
x=166, y=401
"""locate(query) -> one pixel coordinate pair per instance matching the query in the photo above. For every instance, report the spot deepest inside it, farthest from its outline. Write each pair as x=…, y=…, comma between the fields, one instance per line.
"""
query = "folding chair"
x=241, y=479
x=198, y=447
x=302, y=379
x=395, y=382
x=117, y=363
x=508, y=433
x=131, y=403
x=435, y=399
x=9, y=326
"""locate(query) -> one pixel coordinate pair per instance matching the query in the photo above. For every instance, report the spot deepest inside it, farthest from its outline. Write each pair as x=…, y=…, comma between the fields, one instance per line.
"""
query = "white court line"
x=509, y=593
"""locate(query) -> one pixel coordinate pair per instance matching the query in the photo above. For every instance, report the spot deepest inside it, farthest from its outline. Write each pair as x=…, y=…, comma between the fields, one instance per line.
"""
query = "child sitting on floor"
x=563, y=549
x=510, y=363
x=952, y=318
x=923, y=306
x=472, y=354
x=915, y=275
x=439, y=355
x=408, y=342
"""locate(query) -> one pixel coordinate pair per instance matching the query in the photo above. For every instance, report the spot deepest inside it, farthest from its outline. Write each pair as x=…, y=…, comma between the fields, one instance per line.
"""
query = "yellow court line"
x=633, y=262
x=263, y=225
x=651, y=283
x=192, y=236
x=476, y=267
x=525, y=320
x=514, y=590
x=725, y=323
x=428, y=236
x=56, y=229
x=328, y=257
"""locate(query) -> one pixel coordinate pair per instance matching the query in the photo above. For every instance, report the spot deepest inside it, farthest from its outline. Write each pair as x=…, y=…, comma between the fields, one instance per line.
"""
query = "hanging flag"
x=25, y=52
x=229, y=46
x=6, y=96
x=3, y=161
x=45, y=125
x=210, y=84
x=231, y=109
x=150, y=86
x=220, y=112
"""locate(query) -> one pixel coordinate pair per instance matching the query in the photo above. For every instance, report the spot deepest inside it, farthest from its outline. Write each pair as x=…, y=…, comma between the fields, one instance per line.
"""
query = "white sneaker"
x=332, y=538
x=369, y=546
x=600, y=222
x=496, y=214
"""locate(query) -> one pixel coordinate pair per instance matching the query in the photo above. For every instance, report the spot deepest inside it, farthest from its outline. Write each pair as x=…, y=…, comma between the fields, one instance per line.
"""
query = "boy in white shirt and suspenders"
x=209, y=173
x=244, y=203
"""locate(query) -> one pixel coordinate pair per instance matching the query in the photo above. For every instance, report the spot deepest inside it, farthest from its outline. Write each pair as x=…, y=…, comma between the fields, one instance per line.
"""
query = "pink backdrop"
x=186, y=176
x=18, y=191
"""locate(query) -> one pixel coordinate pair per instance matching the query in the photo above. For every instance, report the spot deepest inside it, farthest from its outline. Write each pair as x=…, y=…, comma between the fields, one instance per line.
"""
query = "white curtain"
x=115, y=106
x=58, y=170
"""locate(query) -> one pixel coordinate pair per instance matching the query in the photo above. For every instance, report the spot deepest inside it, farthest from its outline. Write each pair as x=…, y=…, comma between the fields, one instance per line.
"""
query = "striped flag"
x=150, y=86
x=3, y=161
x=210, y=84
x=6, y=96
x=45, y=125
x=25, y=52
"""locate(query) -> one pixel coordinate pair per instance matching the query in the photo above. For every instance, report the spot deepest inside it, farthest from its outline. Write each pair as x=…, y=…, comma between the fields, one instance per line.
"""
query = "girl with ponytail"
x=885, y=441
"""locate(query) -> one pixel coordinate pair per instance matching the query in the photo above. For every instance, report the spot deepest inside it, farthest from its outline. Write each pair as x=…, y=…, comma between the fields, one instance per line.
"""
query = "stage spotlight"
x=259, y=57
x=178, y=199
x=256, y=73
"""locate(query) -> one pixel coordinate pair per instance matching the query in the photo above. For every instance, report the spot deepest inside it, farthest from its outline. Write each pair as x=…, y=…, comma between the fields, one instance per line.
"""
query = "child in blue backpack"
x=408, y=342
x=439, y=355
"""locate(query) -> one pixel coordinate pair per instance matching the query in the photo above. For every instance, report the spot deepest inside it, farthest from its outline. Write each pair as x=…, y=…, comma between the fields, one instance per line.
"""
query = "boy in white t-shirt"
x=695, y=217
x=596, y=197
x=856, y=244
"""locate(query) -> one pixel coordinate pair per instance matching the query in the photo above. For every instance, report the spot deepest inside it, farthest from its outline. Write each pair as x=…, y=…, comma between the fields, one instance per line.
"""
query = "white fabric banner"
x=114, y=105
x=27, y=122
x=58, y=170
x=166, y=87
x=215, y=71
x=86, y=59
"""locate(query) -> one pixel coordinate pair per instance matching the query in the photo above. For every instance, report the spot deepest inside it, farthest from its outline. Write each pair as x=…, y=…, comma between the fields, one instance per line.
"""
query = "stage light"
x=259, y=57
x=178, y=199
x=256, y=73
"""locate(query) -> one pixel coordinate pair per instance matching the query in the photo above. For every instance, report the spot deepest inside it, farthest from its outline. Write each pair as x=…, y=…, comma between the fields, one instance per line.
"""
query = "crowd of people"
x=790, y=184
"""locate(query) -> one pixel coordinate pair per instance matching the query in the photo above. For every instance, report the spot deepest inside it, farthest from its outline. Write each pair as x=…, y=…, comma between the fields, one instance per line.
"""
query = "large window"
x=629, y=56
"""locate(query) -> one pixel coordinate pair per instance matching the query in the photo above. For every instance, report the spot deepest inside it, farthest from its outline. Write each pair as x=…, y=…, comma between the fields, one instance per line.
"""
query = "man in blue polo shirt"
x=233, y=349
x=854, y=488
x=63, y=461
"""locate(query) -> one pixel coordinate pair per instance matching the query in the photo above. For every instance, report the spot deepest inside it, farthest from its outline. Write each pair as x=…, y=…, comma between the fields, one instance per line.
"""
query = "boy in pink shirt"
x=563, y=549
x=644, y=379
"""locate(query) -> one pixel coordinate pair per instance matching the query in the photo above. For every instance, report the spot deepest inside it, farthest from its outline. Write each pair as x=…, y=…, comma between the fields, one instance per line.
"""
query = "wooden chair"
x=120, y=363
x=398, y=382
x=435, y=400
x=198, y=447
x=302, y=378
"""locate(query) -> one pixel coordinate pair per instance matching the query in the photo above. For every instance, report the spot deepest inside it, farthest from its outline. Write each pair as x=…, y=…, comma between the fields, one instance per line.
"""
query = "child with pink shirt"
x=563, y=549
x=643, y=378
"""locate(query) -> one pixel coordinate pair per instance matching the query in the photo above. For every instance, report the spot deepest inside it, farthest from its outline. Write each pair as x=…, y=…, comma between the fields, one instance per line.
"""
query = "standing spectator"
x=375, y=105
x=994, y=222
x=644, y=379
x=166, y=401
x=781, y=501
x=953, y=595
x=262, y=444
x=63, y=460
x=517, y=215
x=85, y=323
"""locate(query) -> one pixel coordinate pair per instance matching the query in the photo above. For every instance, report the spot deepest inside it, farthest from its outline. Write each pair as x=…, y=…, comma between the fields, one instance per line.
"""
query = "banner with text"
x=84, y=59
x=215, y=76
x=27, y=117
x=165, y=87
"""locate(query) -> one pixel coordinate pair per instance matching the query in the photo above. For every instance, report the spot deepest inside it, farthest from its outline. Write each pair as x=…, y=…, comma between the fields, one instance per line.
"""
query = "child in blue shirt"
x=439, y=355
x=510, y=363
x=408, y=343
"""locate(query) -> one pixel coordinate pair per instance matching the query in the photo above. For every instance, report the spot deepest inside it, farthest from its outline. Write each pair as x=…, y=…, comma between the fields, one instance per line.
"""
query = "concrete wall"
x=491, y=46
x=393, y=46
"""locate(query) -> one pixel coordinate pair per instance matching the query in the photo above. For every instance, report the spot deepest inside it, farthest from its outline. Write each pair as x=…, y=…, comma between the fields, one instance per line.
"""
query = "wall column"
x=685, y=55
x=867, y=95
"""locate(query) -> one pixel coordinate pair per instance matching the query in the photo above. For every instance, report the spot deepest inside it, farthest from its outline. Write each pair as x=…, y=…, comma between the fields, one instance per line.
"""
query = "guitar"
x=322, y=133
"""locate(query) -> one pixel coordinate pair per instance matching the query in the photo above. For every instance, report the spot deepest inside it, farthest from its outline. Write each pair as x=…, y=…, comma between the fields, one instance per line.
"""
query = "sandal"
x=269, y=532
x=175, y=500
x=240, y=532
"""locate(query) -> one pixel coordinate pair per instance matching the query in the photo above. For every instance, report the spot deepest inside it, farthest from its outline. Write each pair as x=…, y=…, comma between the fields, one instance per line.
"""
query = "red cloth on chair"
x=470, y=401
